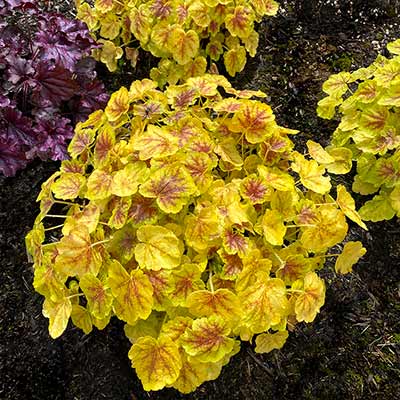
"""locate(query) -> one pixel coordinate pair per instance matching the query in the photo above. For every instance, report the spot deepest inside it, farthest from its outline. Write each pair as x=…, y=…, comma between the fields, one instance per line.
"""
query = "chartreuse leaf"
x=132, y=293
x=337, y=84
x=311, y=298
x=394, y=47
x=192, y=374
x=98, y=296
x=222, y=302
x=144, y=327
x=347, y=205
x=263, y=303
x=235, y=60
x=343, y=160
x=157, y=361
x=377, y=209
x=267, y=342
x=158, y=248
x=352, y=252
x=204, y=228
x=207, y=340
x=47, y=281
x=80, y=317
x=58, y=313
x=110, y=54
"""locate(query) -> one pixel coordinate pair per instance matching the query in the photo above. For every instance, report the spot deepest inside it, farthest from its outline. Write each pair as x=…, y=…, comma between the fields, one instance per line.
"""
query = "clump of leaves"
x=47, y=83
x=184, y=34
x=369, y=131
x=188, y=215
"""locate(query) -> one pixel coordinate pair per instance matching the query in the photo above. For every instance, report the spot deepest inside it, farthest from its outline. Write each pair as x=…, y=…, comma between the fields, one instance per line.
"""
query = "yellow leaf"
x=394, y=47
x=76, y=255
x=311, y=174
x=343, y=160
x=264, y=303
x=184, y=281
x=240, y=22
x=347, y=205
x=267, y=342
x=318, y=153
x=157, y=361
x=118, y=104
x=276, y=178
x=222, y=302
x=273, y=227
x=207, y=340
x=144, y=327
x=159, y=248
x=133, y=293
x=155, y=142
x=141, y=24
x=58, y=314
x=204, y=228
x=327, y=228
x=68, y=186
x=183, y=45
x=125, y=182
x=176, y=327
x=311, y=300
x=99, y=185
x=352, y=252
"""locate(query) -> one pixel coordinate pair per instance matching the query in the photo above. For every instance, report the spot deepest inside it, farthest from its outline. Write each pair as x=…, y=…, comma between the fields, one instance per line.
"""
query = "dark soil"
x=351, y=351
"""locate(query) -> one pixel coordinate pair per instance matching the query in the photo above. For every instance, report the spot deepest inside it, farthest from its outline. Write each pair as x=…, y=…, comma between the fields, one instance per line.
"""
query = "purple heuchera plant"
x=47, y=84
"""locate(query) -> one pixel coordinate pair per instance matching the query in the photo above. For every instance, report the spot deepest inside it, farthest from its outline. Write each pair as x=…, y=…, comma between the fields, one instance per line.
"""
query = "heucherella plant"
x=369, y=131
x=189, y=216
x=185, y=34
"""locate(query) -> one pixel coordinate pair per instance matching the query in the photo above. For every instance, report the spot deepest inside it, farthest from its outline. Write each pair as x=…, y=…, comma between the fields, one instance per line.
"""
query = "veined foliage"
x=187, y=35
x=189, y=216
x=368, y=101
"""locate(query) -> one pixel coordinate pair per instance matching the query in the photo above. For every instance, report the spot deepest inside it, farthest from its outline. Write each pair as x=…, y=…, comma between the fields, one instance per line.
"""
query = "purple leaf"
x=19, y=69
x=17, y=127
x=55, y=84
x=12, y=157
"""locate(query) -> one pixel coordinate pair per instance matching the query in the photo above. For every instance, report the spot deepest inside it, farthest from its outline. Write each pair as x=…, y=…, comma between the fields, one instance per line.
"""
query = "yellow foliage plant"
x=369, y=132
x=187, y=35
x=188, y=215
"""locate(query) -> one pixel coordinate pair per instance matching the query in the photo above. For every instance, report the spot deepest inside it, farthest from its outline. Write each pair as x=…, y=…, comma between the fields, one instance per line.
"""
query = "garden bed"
x=351, y=351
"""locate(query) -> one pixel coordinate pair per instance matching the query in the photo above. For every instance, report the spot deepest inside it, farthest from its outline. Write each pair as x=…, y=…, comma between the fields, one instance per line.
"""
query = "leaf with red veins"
x=184, y=281
x=234, y=242
x=133, y=293
x=119, y=213
x=142, y=210
x=232, y=265
x=207, y=340
x=161, y=9
x=255, y=120
x=240, y=23
x=104, y=143
x=273, y=148
x=200, y=166
x=307, y=215
x=160, y=280
x=255, y=189
x=172, y=188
